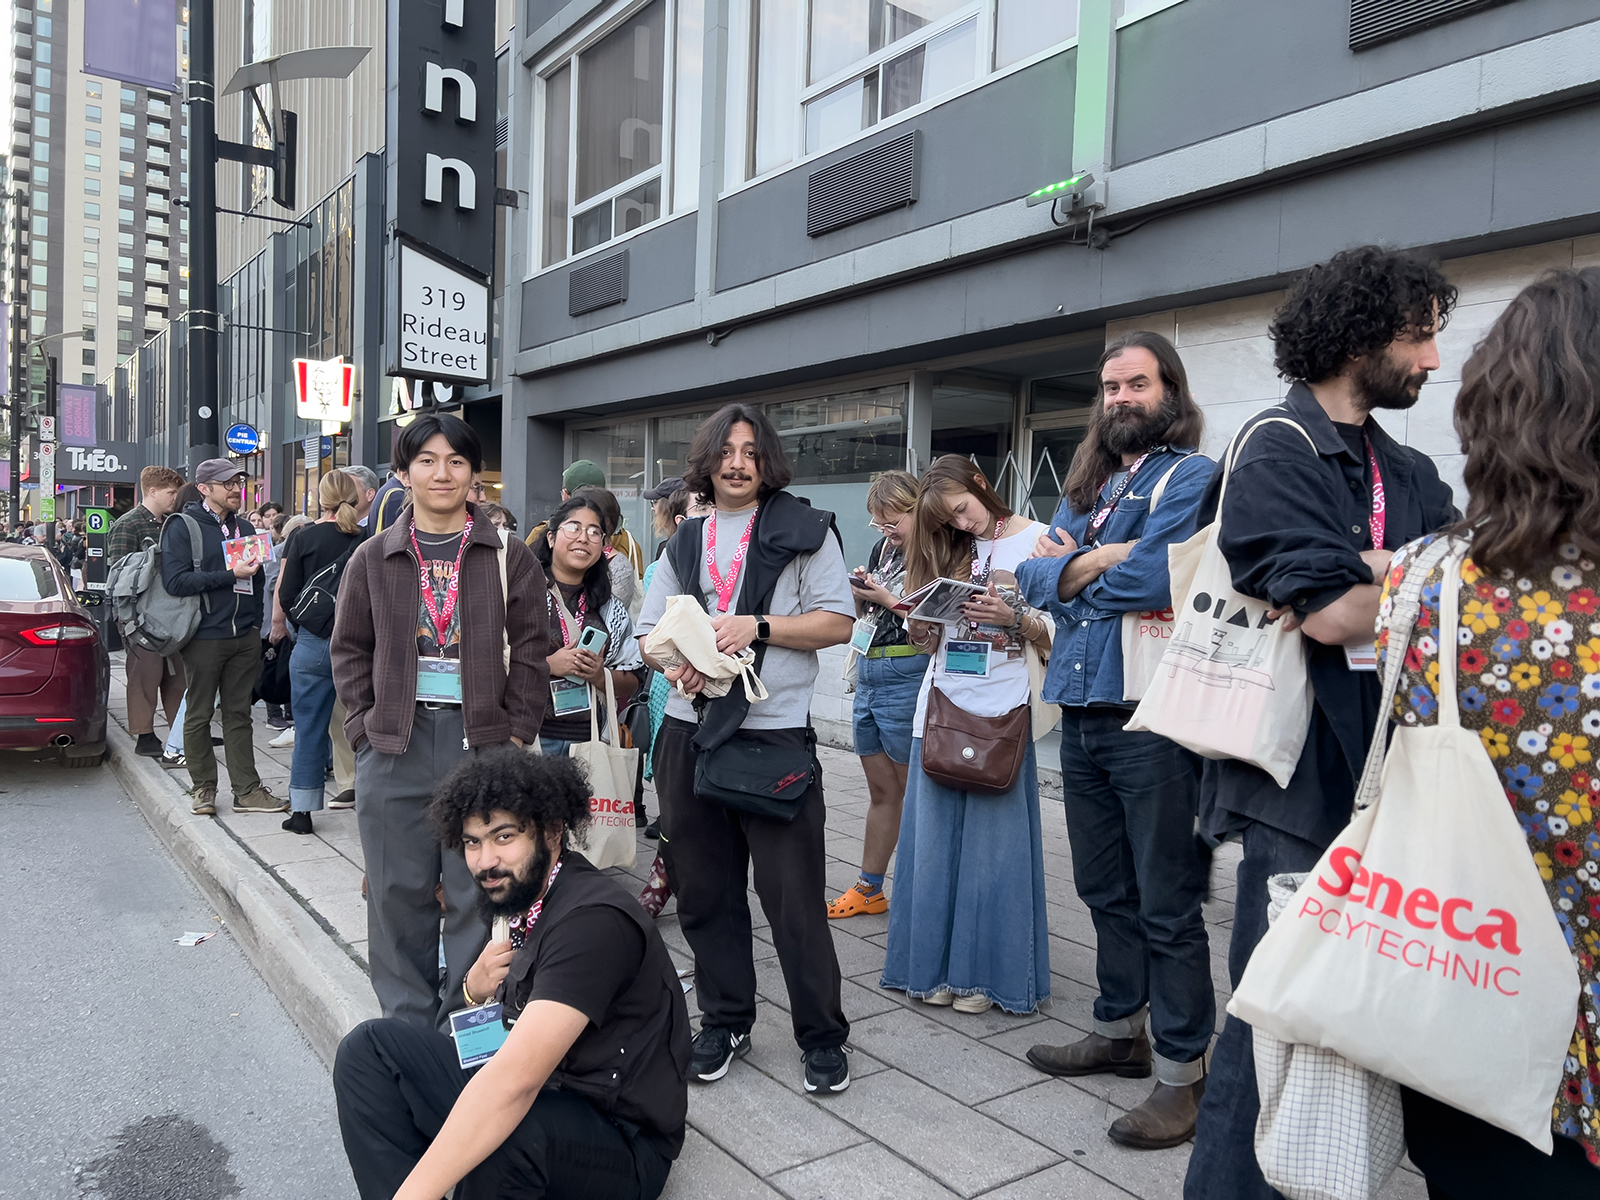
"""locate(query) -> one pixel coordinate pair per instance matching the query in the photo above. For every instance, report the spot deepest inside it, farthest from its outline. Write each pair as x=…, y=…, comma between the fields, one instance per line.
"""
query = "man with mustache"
x=1131, y=797
x=587, y=1097
x=1310, y=531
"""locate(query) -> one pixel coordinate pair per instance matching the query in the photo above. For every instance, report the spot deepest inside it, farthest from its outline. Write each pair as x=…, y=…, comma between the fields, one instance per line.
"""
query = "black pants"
x=1464, y=1158
x=713, y=849
x=395, y=1085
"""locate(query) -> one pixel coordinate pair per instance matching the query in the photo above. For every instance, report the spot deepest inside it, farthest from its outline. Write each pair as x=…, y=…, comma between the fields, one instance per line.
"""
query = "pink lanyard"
x=725, y=586
x=1379, y=519
x=582, y=608
x=441, y=616
x=1099, y=518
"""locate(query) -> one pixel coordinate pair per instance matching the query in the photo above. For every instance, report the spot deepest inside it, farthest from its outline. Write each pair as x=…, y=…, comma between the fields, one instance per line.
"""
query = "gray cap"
x=219, y=470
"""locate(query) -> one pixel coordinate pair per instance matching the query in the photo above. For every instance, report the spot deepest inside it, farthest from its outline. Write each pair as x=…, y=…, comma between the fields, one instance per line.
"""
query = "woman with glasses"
x=572, y=554
x=888, y=677
x=968, y=927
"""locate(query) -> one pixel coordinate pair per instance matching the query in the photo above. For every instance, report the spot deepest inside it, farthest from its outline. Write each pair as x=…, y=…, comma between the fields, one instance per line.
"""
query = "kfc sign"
x=323, y=391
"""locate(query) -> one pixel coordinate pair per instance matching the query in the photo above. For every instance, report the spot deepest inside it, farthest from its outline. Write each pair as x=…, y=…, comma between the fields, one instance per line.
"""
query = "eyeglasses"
x=575, y=530
x=885, y=527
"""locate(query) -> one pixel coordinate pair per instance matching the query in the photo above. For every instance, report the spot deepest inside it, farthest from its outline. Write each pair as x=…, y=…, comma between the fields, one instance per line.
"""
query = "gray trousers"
x=404, y=865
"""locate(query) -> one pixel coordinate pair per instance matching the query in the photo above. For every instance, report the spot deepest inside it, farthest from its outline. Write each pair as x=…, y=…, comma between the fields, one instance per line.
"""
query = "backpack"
x=148, y=615
x=314, y=607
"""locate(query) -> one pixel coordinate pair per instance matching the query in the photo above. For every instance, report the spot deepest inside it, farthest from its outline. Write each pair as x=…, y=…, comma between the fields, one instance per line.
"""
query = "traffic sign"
x=243, y=439
x=47, y=429
x=96, y=520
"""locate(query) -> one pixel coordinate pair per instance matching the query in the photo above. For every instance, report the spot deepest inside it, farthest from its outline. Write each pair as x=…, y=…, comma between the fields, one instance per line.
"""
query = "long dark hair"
x=1528, y=414
x=597, y=579
x=705, y=452
x=1093, y=464
x=936, y=548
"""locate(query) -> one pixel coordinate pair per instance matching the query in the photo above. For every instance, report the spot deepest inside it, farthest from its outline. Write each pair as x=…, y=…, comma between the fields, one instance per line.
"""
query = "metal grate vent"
x=864, y=184
x=502, y=128
x=1374, y=21
x=598, y=284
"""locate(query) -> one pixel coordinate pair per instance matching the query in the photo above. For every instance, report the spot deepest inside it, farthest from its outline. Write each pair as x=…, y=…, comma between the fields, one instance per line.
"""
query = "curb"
x=324, y=991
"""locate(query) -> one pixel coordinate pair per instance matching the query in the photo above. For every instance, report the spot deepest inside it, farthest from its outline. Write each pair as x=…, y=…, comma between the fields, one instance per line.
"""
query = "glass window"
x=557, y=139
x=687, y=80
x=41, y=102
x=846, y=31
x=91, y=162
x=94, y=89
x=620, y=99
x=974, y=421
x=618, y=450
x=91, y=234
x=24, y=580
x=126, y=145
x=124, y=263
x=41, y=79
x=91, y=211
x=41, y=52
x=128, y=96
x=91, y=187
x=91, y=137
x=41, y=127
x=43, y=27
x=40, y=275
x=91, y=258
x=1024, y=27
x=776, y=86
x=942, y=65
x=41, y=226
x=40, y=251
x=841, y=114
x=91, y=112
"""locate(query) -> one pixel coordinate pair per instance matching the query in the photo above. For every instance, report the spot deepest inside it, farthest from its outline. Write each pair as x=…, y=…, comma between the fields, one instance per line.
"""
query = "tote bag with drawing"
x=610, y=839
x=1145, y=634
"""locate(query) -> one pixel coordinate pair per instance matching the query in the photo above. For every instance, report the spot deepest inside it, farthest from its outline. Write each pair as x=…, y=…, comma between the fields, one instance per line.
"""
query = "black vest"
x=636, y=1065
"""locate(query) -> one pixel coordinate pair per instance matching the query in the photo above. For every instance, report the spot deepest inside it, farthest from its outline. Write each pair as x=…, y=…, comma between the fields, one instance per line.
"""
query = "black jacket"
x=224, y=613
x=1293, y=528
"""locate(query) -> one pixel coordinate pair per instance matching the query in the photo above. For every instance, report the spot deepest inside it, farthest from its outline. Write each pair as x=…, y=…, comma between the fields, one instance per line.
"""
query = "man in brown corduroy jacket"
x=428, y=675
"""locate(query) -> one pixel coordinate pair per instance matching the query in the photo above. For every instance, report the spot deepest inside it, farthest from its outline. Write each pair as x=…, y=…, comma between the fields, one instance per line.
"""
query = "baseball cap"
x=664, y=489
x=219, y=470
x=582, y=473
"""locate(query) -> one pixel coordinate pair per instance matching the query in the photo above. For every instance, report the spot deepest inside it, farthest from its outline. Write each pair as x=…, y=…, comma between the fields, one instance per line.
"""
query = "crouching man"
x=588, y=1095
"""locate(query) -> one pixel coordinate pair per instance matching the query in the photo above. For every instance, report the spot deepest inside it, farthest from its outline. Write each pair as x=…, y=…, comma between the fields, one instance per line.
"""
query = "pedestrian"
x=172, y=756
x=331, y=540
x=435, y=660
x=969, y=926
x=281, y=717
x=586, y=1098
x=579, y=598
x=1131, y=798
x=621, y=550
x=223, y=659
x=587, y=474
x=770, y=571
x=889, y=674
x=366, y=490
x=501, y=517
x=270, y=511
x=150, y=676
x=388, y=502
x=344, y=757
x=1310, y=529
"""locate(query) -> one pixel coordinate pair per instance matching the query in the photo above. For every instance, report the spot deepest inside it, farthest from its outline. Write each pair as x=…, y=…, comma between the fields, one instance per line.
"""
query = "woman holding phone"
x=590, y=631
x=968, y=927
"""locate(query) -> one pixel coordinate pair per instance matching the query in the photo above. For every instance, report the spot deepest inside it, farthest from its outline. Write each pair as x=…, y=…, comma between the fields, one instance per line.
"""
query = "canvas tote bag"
x=1423, y=946
x=1231, y=683
x=1145, y=634
x=685, y=634
x=609, y=841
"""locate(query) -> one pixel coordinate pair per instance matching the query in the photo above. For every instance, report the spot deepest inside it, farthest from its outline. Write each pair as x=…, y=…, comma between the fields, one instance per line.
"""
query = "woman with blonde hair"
x=307, y=583
x=968, y=926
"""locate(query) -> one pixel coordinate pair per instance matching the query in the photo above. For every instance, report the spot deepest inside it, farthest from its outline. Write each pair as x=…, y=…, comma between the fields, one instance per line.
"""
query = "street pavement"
x=941, y=1104
x=135, y=1068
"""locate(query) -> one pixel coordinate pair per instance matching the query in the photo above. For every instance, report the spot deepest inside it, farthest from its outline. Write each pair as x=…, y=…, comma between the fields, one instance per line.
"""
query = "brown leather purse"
x=973, y=754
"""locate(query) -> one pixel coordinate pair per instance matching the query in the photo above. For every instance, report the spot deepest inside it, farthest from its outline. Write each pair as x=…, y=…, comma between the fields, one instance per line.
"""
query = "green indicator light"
x=1054, y=191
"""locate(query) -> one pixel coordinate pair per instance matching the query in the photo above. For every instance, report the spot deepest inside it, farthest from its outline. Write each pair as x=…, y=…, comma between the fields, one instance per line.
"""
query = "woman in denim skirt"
x=888, y=676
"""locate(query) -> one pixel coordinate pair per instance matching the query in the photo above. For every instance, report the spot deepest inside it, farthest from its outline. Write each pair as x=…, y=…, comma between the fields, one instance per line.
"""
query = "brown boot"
x=1166, y=1118
x=1096, y=1055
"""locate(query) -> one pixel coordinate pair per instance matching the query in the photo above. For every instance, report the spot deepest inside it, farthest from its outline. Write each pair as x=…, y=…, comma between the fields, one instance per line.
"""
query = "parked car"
x=55, y=672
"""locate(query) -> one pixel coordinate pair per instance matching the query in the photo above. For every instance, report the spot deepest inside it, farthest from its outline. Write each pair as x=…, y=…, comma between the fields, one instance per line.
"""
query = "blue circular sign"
x=243, y=439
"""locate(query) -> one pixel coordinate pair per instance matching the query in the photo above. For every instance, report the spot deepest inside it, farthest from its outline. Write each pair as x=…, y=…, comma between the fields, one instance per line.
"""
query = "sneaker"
x=827, y=1070
x=943, y=998
x=280, y=722
x=204, y=803
x=284, y=740
x=653, y=830
x=345, y=799
x=715, y=1048
x=148, y=745
x=858, y=901
x=259, y=800
x=174, y=760
x=972, y=1004
x=299, y=822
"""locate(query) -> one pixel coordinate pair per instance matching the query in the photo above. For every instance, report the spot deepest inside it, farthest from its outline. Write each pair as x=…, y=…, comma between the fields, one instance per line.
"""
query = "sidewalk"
x=940, y=1104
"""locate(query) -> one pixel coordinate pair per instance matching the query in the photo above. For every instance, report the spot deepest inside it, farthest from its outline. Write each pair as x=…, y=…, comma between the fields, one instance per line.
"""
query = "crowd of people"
x=453, y=667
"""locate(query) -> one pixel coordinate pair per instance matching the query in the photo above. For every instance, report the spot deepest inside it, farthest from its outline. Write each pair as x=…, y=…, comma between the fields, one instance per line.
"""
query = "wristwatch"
x=763, y=629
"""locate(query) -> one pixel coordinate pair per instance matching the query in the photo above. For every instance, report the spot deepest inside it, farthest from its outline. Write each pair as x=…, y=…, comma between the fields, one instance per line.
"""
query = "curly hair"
x=705, y=451
x=534, y=789
x=1353, y=305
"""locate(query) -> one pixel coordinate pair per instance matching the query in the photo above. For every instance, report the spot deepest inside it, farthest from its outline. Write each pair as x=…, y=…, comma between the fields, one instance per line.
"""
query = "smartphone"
x=857, y=581
x=592, y=639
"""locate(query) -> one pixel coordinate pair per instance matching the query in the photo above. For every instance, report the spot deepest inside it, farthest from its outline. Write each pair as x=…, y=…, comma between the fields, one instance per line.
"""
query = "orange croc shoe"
x=856, y=902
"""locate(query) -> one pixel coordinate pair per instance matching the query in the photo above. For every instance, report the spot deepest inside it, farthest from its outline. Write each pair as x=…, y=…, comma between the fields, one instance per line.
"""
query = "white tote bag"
x=685, y=634
x=1145, y=634
x=610, y=839
x=1231, y=683
x=1423, y=945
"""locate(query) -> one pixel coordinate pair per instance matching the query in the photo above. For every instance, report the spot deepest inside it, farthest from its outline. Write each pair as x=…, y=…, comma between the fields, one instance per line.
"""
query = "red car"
x=55, y=673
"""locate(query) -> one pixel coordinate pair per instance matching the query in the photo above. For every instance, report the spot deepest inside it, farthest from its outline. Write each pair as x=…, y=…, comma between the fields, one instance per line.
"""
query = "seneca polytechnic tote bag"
x=1423, y=945
x=609, y=840
x=1232, y=683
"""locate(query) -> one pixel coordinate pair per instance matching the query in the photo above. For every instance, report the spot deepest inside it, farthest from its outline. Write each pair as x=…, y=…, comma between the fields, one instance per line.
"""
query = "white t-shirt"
x=1006, y=684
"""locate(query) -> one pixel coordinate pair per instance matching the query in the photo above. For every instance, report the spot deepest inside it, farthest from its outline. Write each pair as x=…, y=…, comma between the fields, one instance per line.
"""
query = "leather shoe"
x=1166, y=1118
x=1096, y=1055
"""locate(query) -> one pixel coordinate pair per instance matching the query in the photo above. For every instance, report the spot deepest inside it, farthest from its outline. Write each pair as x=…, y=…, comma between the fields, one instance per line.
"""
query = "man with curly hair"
x=588, y=1096
x=1311, y=518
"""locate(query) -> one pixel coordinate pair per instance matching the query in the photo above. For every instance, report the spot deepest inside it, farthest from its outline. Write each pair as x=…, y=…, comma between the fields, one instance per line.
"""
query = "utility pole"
x=21, y=375
x=204, y=323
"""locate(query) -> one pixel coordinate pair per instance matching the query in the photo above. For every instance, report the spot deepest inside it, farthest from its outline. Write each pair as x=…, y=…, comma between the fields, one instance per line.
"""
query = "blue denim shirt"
x=1086, y=659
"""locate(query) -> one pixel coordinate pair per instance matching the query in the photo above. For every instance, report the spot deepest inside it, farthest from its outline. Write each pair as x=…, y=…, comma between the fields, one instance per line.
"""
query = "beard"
x=1128, y=429
x=526, y=885
x=1381, y=382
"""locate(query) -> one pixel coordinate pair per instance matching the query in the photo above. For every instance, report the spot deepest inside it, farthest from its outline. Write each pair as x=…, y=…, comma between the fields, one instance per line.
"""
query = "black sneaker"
x=826, y=1069
x=149, y=745
x=653, y=830
x=715, y=1049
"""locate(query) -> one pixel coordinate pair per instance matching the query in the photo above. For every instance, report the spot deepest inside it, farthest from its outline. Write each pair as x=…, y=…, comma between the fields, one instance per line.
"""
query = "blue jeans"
x=311, y=694
x=1131, y=800
x=555, y=747
x=1223, y=1165
x=886, y=703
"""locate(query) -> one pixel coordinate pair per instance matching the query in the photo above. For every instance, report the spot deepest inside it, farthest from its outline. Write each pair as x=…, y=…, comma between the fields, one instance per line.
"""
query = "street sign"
x=47, y=478
x=96, y=524
x=243, y=439
x=444, y=321
x=47, y=429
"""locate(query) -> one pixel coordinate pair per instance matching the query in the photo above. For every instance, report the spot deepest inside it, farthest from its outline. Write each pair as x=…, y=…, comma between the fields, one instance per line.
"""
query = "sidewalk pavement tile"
x=1065, y=1181
x=867, y=1172
x=958, y=1066
x=331, y=877
x=705, y=1172
x=763, y=1124
x=773, y=1052
x=276, y=849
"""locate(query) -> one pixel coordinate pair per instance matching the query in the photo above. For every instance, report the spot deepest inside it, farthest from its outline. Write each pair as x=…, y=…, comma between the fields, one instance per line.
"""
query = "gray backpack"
x=148, y=615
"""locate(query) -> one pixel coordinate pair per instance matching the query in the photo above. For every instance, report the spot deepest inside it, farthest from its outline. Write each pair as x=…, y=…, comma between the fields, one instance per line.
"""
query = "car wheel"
x=76, y=760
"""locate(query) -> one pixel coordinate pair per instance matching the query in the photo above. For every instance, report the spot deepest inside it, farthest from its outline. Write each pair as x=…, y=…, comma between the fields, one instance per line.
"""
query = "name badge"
x=245, y=587
x=568, y=696
x=966, y=658
x=438, y=681
x=862, y=634
x=478, y=1033
x=1363, y=657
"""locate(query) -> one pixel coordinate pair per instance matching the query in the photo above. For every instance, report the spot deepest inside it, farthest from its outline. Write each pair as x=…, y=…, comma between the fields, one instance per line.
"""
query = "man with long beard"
x=1131, y=797
x=1310, y=531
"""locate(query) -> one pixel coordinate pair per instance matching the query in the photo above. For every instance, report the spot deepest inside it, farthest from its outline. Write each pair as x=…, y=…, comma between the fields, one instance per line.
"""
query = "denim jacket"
x=1086, y=660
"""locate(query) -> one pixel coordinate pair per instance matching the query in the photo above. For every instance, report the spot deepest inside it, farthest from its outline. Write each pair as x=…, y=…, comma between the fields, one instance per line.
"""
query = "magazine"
x=939, y=601
x=250, y=551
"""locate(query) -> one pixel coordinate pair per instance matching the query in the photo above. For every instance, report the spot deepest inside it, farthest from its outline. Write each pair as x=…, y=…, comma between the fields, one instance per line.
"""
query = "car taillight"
x=54, y=635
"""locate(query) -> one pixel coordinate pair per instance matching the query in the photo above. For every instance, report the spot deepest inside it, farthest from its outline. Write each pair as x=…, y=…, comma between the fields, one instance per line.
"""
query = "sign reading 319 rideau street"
x=444, y=321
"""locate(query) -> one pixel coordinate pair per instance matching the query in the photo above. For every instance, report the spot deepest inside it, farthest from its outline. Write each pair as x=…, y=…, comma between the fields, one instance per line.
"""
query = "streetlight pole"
x=203, y=319
x=19, y=365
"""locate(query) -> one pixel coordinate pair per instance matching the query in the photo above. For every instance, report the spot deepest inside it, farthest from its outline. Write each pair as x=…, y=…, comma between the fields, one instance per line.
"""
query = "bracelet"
x=471, y=1003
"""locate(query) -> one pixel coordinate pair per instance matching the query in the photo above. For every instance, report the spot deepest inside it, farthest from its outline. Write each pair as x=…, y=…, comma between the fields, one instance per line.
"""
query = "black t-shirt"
x=439, y=556
x=308, y=551
x=587, y=961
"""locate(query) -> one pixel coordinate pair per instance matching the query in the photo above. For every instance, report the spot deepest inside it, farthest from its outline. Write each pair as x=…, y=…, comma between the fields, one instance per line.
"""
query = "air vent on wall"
x=501, y=129
x=864, y=184
x=598, y=284
x=1374, y=21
